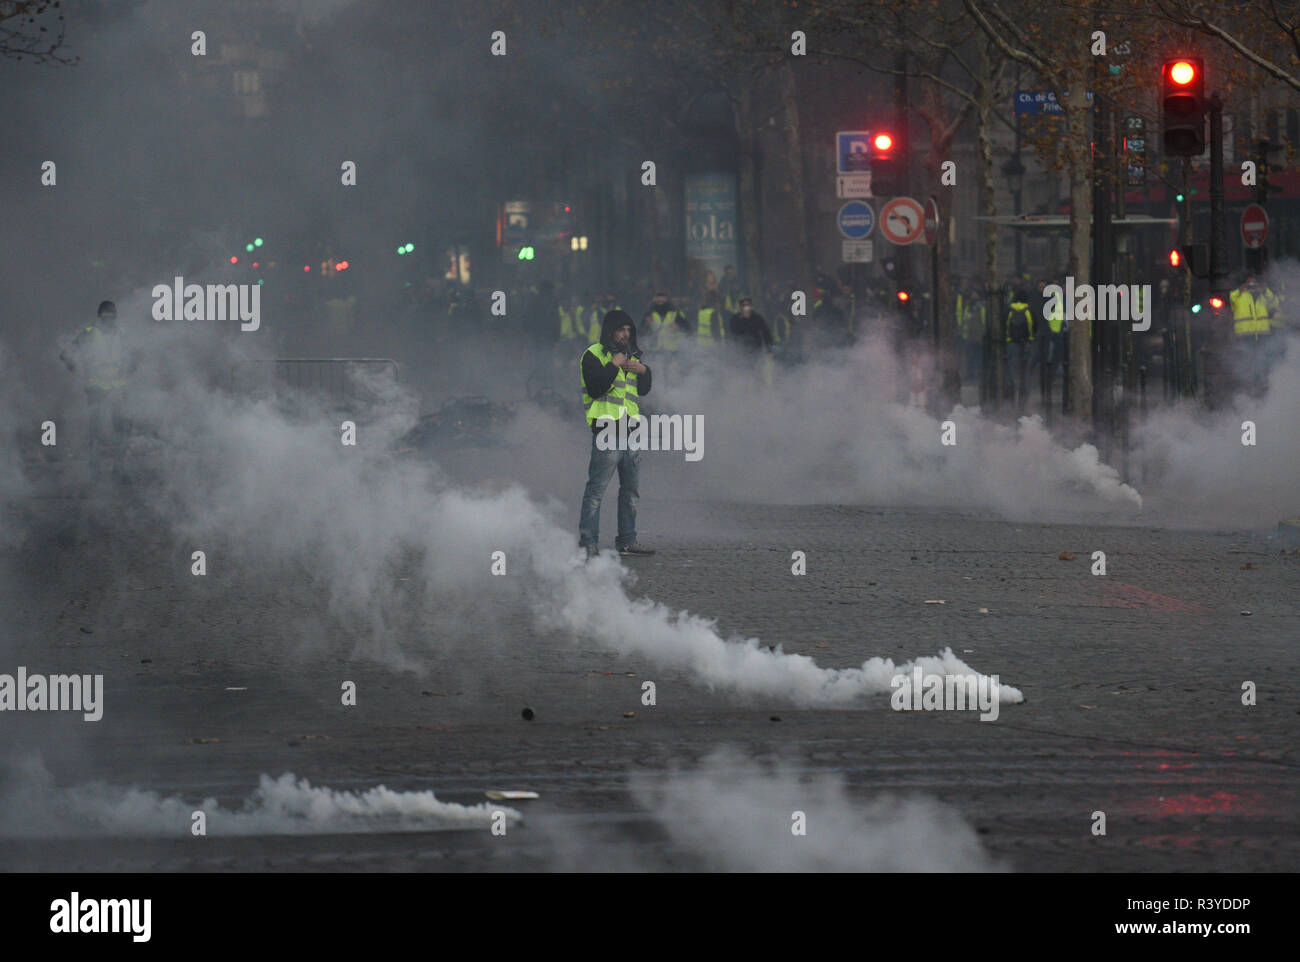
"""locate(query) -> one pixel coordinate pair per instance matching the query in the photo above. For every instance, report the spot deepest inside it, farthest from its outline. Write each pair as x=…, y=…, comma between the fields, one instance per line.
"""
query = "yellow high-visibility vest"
x=617, y=402
x=1250, y=314
x=667, y=334
x=704, y=329
x=104, y=360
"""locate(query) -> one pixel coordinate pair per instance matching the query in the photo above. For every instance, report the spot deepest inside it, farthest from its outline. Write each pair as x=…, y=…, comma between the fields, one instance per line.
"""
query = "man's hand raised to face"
x=635, y=366
x=618, y=360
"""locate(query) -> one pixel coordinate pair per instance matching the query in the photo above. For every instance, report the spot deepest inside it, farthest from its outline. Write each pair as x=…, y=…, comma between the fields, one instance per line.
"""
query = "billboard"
x=710, y=223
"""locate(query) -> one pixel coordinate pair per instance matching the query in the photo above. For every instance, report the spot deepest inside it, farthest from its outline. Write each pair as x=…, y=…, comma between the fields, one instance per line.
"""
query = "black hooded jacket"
x=599, y=377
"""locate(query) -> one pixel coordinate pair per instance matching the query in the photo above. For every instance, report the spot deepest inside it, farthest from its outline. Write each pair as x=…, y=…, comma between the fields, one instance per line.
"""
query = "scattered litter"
x=439, y=694
x=1247, y=567
x=936, y=601
x=1245, y=612
x=527, y=713
x=629, y=714
x=1065, y=556
x=146, y=661
x=984, y=611
x=86, y=631
x=510, y=796
x=631, y=674
x=821, y=644
x=775, y=718
x=236, y=689
x=1087, y=706
x=201, y=741
x=968, y=651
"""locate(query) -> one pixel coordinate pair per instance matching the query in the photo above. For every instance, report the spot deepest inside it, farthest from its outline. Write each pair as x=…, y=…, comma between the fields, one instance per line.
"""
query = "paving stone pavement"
x=1132, y=684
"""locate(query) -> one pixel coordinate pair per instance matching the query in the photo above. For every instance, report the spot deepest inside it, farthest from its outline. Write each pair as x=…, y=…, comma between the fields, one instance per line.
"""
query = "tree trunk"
x=795, y=171
x=1080, y=261
x=750, y=270
x=989, y=208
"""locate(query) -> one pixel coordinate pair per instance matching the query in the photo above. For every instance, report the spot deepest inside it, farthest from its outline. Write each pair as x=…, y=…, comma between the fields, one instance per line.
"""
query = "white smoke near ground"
x=732, y=813
x=1197, y=468
x=33, y=806
x=404, y=556
x=833, y=431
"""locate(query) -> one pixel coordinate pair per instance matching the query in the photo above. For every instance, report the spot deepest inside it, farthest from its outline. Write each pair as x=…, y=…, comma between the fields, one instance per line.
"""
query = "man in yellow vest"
x=97, y=355
x=1020, y=342
x=1255, y=310
x=1052, y=341
x=613, y=378
x=664, y=326
x=972, y=318
x=571, y=326
x=729, y=286
x=595, y=312
x=710, y=328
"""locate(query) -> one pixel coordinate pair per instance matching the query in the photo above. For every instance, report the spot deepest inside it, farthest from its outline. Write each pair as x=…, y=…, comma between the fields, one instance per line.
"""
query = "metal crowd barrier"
x=332, y=378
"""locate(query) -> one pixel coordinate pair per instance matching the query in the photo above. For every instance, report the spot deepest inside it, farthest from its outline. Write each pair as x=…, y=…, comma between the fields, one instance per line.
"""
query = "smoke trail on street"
x=32, y=806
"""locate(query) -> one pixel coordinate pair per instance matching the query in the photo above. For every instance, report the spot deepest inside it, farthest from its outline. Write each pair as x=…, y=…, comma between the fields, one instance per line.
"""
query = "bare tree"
x=33, y=30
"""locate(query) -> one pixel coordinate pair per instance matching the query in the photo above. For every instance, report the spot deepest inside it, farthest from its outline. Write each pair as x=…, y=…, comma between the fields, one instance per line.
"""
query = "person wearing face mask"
x=613, y=378
x=749, y=331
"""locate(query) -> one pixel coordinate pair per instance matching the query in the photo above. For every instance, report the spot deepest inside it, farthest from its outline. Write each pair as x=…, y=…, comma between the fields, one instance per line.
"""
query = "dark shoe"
x=635, y=549
x=591, y=550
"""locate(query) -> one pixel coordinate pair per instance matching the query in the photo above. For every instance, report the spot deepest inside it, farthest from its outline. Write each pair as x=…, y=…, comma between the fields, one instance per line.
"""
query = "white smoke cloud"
x=32, y=806
x=732, y=813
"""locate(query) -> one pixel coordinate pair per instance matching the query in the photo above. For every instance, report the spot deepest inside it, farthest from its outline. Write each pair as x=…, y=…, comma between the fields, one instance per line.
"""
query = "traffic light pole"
x=1218, y=230
x=1103, y=352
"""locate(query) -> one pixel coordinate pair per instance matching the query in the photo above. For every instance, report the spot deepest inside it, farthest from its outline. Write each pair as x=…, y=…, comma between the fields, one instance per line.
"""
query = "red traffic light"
x=341, y=266
x=1216, y=303
x=882, y=142
x=234, y=260
x=1182, y=72
x=903, y=296
x=1175, y=258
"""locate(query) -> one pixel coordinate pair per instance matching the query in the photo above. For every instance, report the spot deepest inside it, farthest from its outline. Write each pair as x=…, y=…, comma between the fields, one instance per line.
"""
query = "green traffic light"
x=1196, y=308
x=249, y=248
x=1179, y=198
x=258, y=242
x=401, y=250
x=409, y=248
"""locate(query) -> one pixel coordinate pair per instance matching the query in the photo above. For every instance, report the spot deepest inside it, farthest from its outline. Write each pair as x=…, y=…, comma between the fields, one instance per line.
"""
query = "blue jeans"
x=599, y=471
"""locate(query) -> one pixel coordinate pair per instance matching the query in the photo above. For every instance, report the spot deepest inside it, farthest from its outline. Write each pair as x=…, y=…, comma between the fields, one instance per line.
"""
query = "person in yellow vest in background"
x=729, y=286
x=1255, y=316
x=972, y=319
x=665, y=330
x=572, y=328
x=1052, y=340
x=710, y=326
x=98, y=356
x=595, y=311
x=781, y=314
x=612, y=381
x=1020, y=342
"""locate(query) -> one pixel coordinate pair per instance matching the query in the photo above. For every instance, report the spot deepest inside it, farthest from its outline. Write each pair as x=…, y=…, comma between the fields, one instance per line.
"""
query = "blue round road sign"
x=856, y=220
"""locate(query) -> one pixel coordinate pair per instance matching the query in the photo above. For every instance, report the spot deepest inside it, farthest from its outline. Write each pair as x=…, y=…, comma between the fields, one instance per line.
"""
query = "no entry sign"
x=1254, y=226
